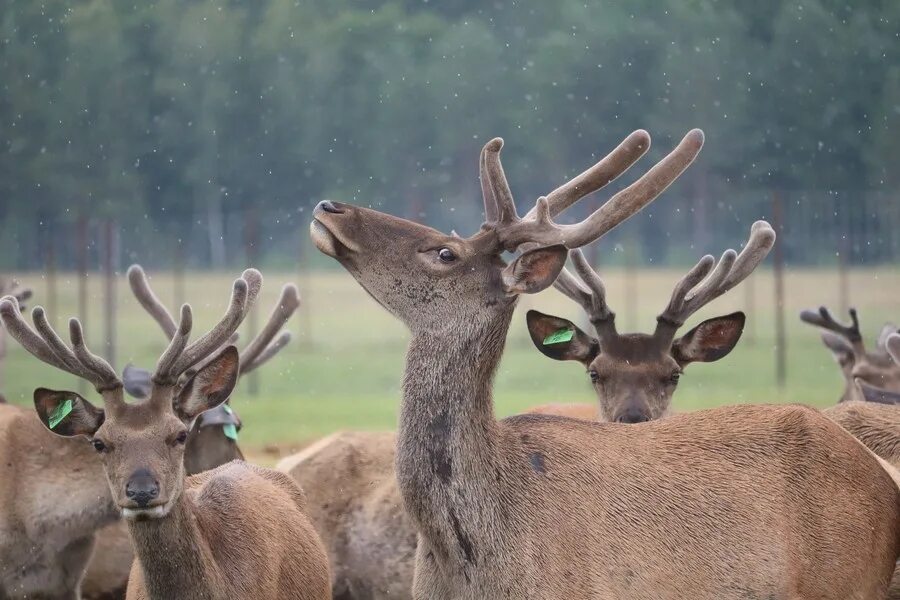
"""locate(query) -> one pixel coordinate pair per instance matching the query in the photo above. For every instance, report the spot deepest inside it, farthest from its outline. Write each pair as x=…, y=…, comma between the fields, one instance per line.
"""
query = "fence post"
x=251, y=248
x=110, y=252
x=81, y=266
x=778, y=256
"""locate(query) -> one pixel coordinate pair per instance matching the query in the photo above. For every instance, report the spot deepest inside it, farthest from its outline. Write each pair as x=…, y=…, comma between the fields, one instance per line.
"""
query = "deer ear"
x=840, y=347
x=561, y=339
x=874, y=394
x=137, y=381
x=893, y=346
x=535, y=270
x=210, y=387
x=66, y=413
x=710, y=340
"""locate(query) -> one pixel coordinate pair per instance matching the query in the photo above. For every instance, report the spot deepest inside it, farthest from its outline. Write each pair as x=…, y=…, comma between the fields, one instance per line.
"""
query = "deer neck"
x=447, y=444
x=175, y=558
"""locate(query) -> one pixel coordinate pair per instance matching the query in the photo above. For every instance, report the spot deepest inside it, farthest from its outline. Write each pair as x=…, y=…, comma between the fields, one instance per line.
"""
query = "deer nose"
x=142, y=488
x=329, y=207
x=633, y=415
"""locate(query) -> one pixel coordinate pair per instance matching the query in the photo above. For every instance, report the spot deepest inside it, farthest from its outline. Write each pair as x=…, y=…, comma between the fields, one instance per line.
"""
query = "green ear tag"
x=228, y=409
x=558, y=337
x=230, y=431
x=59, y=413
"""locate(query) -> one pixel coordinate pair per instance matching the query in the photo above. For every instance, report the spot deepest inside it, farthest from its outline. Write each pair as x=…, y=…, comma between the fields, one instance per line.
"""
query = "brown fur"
x=355, y=505
x=53, y=497
x=586, y=412
x=544, y=507
x=227, y=537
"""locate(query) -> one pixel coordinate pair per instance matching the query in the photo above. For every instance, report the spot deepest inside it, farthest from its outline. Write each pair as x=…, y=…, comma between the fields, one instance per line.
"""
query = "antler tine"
x=490, y=203
x=703, y=283
x=244, y=292
x=140, y=287
x=101, y=374
x=541, y=230
x=28, y=338
x=822, y=318
x=52, y=339
x=592, y=299
x=164, y=372
x=271, y=350
x=502, y=195
x=605, y=171
x=287, y=304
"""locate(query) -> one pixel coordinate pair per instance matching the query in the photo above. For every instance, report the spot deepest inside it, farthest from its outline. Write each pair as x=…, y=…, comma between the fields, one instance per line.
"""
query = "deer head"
x=435, y=282
x=212, y=440
x=874, y=370
x=871, y=393
x=141, y=445
x=635, y=374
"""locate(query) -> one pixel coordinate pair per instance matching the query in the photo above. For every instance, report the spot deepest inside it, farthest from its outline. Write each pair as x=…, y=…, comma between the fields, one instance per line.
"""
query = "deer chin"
x=146, y=514
x=327, y=241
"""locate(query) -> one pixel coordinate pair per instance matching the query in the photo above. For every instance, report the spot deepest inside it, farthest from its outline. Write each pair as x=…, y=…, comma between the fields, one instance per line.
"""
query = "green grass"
x=343, y=368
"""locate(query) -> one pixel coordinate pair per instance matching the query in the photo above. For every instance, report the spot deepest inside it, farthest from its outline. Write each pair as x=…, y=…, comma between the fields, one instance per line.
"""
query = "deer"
x=849, y=350
x=237, y=531
x=212, y=439
x=635, y=374
x=355, y=505
x=539, y=506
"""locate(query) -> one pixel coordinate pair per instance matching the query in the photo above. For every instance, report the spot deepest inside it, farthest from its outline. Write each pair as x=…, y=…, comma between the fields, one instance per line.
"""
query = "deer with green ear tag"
x=238, y=531
x=634, y=374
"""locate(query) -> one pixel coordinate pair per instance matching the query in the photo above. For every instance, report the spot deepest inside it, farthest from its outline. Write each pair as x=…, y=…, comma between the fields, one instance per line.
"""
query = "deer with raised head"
x=238, y=531
x=727, y=503
x=635, y=374
x=212, y=440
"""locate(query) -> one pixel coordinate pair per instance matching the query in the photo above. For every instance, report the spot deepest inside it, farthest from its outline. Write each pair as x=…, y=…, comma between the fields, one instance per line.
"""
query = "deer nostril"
x=329, y=207
x=142, y=488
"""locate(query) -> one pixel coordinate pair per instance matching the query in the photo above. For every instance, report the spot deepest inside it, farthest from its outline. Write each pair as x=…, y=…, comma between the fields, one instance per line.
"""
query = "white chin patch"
x=157, y=512
x=323, y=239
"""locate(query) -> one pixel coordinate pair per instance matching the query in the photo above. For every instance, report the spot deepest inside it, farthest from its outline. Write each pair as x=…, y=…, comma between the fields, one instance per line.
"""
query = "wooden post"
x=110, y=252
x=303, y=279
x=749, y=337
x=178, y=274
x=843, y=284
x=778, y=255
x=52, y=291
x=81, y=266
x=631, y=292
x=251, y=247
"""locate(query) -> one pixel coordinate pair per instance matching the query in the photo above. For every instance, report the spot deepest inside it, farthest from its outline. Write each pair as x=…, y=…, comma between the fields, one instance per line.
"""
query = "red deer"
x=849, y=350
x=212, y=440
x=238, y=531
x=727, y=503
x=634, y=374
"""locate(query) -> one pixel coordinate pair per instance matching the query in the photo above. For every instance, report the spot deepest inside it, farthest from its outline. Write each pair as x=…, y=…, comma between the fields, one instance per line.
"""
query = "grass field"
x=343, y=368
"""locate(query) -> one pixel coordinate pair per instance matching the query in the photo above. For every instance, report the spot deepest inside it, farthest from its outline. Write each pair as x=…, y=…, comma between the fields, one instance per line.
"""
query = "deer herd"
x=150, y=498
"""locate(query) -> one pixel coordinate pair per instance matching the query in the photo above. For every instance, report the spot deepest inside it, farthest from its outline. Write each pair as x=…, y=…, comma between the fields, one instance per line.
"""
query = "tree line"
x=167, y=115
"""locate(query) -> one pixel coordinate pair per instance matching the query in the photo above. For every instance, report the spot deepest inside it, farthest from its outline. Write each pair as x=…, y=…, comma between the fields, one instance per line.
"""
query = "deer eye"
x=98, y=445
x=595, y=376
x=181, y=437
x=446, y=255
x=674, y=377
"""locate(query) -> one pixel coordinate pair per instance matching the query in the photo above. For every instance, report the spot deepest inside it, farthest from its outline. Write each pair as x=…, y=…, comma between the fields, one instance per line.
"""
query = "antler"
x=46, y=345
x=592, y=299
x=11, y=287
x=537, y=227
x=822, y=318
x=179, y=357
x=257, y=352
x=262, y=348
x=693, y=291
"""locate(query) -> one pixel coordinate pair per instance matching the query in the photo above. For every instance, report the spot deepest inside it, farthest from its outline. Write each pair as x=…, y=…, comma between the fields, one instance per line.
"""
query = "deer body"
x=485, y=496
x=355, y=505
x=217, y=544
x=48, y=514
